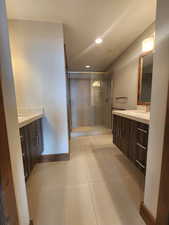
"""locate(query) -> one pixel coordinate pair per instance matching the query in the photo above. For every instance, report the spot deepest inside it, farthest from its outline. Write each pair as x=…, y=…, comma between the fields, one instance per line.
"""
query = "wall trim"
x=54, y=157
x=146, y=215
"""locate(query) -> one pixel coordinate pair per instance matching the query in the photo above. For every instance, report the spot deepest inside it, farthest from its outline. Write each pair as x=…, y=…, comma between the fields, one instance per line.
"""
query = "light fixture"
x=98, y=41
x=96, y=83
x=87, y=66
x=148, y=44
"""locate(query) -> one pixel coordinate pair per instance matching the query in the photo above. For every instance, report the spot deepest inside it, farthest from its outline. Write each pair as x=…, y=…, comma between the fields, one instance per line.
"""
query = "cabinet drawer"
x=141, y=138
x=142, y=134
x=141, y=156
x=143, y=126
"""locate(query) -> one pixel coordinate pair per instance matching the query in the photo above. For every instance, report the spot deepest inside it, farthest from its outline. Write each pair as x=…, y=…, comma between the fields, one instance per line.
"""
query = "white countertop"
x=137, y=115
x=25, y=120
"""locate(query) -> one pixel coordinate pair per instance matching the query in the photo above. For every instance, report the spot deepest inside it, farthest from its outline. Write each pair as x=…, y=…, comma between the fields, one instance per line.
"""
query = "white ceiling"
x=119, y=22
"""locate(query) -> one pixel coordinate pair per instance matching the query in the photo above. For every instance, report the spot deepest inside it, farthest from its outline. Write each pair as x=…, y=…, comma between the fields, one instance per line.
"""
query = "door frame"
x=163, y=202
x=9, y=200
x=68, y=93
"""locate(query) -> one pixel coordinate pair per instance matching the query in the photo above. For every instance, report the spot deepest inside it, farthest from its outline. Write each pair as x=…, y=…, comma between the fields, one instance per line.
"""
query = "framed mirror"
x=145, y=78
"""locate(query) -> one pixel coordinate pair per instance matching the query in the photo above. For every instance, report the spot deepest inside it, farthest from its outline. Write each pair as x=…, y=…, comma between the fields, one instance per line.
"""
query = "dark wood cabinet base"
x=32, y=145
x=31, y=222
x=146, y=215
x=131, y=137
x=54, y=157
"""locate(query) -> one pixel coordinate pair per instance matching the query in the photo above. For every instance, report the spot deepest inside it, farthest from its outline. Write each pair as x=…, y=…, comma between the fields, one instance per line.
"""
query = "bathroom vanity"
x=131, y=127
x=130, y=135
x=31, y=141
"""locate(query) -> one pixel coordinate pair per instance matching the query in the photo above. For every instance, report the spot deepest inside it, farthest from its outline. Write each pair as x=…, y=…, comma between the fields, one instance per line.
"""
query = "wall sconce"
x=148, y=44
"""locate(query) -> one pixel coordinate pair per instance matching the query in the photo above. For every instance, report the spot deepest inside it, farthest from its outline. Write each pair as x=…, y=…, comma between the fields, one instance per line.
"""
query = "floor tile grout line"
x=92, y=195
x=93, y=203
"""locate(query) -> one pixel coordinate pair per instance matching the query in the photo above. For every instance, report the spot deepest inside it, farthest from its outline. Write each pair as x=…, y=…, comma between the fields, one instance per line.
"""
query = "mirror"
x=145, y=79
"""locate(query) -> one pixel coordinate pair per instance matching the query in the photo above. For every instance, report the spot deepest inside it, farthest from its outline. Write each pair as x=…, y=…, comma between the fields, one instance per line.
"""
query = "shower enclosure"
x=90, y=99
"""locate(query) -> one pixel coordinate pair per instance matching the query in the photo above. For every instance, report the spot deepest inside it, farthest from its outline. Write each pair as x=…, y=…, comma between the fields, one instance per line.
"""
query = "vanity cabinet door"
x=39, y=137
x=121, y=133
x=132, y=141
x=35, y=140
x=116, y=130
x=141, y=157
x=32, y=145
x=125, y=127
x=27, y=161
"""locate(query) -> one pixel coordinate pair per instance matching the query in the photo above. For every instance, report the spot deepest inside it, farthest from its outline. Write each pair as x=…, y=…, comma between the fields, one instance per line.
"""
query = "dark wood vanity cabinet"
x=141, y=145
x=131, y=137
x=32, y=145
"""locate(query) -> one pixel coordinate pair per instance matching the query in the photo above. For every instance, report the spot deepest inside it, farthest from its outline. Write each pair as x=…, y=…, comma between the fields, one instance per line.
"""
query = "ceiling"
x=118, y=22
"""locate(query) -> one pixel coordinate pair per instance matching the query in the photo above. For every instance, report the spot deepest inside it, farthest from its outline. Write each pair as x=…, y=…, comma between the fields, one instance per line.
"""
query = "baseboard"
x=146, y=215
x=54, y=157
x=31, y=222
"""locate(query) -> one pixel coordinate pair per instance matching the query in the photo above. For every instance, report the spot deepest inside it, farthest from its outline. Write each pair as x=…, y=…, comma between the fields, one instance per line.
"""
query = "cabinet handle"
x=21, y=136
x=37, y=138
x=142, y=130
x=140, y=164
x=141, y=146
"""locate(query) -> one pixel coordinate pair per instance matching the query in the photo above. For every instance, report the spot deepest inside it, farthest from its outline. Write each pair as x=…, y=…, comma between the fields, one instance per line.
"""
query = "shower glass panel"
x=90, y=99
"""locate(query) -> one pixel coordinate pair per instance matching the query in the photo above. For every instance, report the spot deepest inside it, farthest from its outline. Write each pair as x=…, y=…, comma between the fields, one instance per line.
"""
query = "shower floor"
x=89, y=131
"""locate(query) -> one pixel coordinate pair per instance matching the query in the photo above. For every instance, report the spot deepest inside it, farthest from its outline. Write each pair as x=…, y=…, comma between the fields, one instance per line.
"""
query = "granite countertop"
x=27, y=119
x=137, y=115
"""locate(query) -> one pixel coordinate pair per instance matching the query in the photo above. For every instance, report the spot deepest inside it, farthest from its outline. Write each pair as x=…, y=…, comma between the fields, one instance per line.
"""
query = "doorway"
x=90, y=102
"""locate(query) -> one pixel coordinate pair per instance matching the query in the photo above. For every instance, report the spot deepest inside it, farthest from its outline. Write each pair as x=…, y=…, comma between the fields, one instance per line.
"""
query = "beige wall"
x=39, y=71
x=124, y=73
x=11, y=120
x=158, y=107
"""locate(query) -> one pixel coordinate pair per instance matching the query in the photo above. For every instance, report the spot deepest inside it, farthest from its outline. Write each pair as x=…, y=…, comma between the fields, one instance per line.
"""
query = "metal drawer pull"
x=142, y=130
x=140, y=164
x=141, y=146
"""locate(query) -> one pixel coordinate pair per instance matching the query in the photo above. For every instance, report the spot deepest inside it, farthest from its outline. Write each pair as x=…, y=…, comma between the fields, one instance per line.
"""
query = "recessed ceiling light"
x=99, y=41
x=87, y=66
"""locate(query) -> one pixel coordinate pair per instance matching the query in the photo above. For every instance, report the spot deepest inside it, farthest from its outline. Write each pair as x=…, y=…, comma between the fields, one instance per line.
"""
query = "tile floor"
x=98, y=186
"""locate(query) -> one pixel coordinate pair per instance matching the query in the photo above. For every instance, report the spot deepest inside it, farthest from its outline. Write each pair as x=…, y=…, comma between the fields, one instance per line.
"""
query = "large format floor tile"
x=97, y=186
